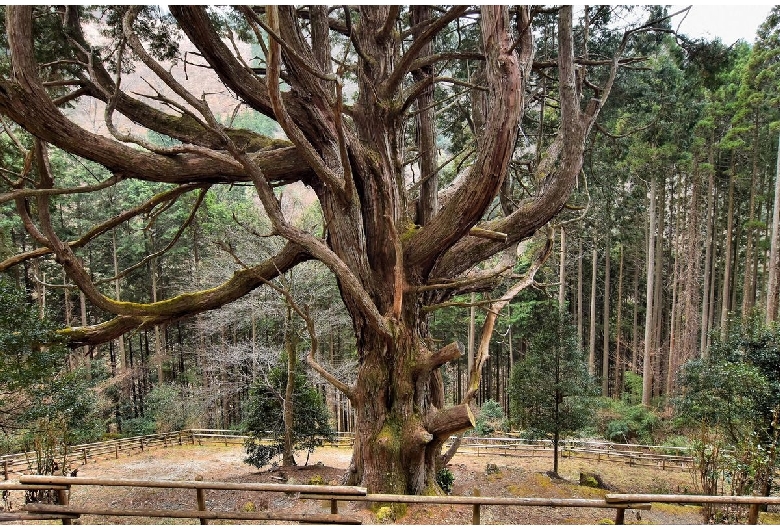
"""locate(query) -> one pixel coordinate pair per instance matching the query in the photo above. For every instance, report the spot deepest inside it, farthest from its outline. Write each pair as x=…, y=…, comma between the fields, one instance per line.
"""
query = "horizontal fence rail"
x=477, y=502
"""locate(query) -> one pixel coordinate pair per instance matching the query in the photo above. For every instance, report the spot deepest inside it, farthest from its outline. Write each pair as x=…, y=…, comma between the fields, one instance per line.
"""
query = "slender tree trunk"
x=727, y=268
x=117, y=292
x=708, y=254
x=592, y=340
x=619, y=364
x=647, y=371
x=511, y=347
x=562, y=273
x=773, y=282
x=692, y=286
x=674, y=325
x=85, y=356
x=580, y=309
x=158, y=350
x=291, y=345
x=748, y=293
x=635, y=322
x=472, y=325
x=658, y=296
x=714, y=278
x=605, y=348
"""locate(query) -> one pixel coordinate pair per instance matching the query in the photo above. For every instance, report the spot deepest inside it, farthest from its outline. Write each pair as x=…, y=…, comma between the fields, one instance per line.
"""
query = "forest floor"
x=517, y=476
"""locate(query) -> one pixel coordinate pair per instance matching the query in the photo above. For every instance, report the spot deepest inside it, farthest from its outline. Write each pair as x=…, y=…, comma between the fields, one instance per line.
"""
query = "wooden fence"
x=335, y=494
x=754, y=502
x=80, y=454
x=477, y=502
x=674, y=458
x=671, y=458
x=65, y=511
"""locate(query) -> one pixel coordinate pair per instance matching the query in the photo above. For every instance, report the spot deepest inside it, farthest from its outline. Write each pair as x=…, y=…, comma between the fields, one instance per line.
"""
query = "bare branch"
x=490, y=320
x=166, y=311
x=333, y=181
x=405, y=64
x=167, y=247
x=314, y=343
x=101, y=228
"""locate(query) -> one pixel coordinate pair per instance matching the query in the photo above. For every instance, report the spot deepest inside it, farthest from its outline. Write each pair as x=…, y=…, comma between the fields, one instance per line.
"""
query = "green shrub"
x=385, y=515
x=621, y=422
x=618, y=430
x=490, y=419
x=317, y=480
x=138, y=426
x=445, y=479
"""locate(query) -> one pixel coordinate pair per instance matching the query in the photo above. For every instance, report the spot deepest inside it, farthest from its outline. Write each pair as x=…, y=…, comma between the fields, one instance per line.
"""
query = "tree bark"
x=692, y=267
x=428, y=201
x=658, y=296
x=635, y=322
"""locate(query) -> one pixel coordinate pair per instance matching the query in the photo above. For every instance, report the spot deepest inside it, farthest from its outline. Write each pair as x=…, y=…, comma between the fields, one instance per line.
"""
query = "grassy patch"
x=590, y=492
x=676, y=509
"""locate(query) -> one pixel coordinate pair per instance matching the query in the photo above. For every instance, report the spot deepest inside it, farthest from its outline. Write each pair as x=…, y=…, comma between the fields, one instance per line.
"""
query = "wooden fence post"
x=63, y=499
x=116, y=449
x=334, y=506
x=753, y=514
x=5, y=469
x=475, y=510
x=201, y=497
x=620, y=516
x=84, y=454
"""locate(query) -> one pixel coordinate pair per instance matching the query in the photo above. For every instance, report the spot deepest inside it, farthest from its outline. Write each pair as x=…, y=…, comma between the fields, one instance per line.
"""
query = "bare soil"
x=517, y=476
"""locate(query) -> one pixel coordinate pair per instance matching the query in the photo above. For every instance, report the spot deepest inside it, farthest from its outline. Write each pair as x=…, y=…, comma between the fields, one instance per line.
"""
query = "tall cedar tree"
x=346, y=85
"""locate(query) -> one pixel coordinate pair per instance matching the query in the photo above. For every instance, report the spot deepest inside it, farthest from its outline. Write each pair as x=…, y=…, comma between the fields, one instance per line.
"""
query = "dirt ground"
x=517, y=476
